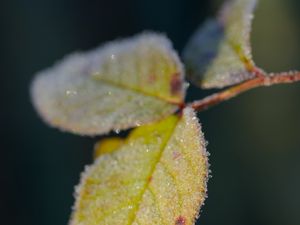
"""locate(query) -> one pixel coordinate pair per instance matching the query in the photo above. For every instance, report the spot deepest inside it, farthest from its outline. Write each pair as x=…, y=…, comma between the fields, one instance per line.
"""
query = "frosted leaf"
x=157, y=175
x=219, y=53
x=120, y=85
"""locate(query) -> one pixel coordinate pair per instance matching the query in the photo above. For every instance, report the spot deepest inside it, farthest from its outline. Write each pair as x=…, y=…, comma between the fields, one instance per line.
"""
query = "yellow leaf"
x=107, y=145
x=219, y=53
x=120, y=85
x=158, y=176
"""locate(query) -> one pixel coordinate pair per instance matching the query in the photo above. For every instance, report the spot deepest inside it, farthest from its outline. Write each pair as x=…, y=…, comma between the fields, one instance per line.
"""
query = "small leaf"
x=158, y=176
x=219, y=53
x=107, y=145
x=120, y=85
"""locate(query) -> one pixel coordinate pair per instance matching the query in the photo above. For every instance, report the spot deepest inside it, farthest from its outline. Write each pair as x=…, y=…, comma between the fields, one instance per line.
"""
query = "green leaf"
x=219, y=53
x=157, y=175
x=120, y=85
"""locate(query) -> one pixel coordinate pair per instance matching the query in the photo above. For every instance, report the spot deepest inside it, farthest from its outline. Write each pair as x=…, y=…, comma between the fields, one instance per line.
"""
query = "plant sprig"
x=158, y=174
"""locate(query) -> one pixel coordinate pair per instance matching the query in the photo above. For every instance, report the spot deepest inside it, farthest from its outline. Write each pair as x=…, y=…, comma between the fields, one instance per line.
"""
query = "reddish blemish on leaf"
x=176, y=155
x=150, y=179
x=152, y=78
x=175, y=84
x=180, y=221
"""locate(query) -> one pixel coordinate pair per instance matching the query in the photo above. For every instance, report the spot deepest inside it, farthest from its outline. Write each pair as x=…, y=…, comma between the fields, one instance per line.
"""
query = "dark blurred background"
x=253, y=139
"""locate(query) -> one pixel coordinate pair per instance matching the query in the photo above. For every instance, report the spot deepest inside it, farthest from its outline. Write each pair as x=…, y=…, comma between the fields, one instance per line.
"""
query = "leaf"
x=219, y=53
x=107, y=145
x=120, y=85
x=158, y=176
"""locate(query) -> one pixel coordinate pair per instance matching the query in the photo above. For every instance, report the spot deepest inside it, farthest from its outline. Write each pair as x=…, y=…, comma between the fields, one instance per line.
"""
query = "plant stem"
x=258, y=81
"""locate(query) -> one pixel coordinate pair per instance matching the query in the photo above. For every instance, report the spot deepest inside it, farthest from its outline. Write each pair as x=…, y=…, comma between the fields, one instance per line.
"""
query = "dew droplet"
x=71, y=93
x=141, y=103
x=186, y=85
x=113, y=56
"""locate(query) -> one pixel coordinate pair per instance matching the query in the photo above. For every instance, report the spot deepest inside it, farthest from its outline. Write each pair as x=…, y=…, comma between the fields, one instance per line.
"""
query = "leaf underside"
x=219, y=53
x=157, y=176
x=120, y=85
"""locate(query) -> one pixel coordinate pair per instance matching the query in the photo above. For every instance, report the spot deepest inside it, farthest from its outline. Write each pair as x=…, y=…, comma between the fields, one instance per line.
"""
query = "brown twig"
x=258, y=81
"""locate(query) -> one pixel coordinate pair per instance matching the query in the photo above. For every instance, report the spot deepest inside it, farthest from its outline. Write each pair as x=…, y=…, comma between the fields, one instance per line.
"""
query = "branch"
x=260, y=80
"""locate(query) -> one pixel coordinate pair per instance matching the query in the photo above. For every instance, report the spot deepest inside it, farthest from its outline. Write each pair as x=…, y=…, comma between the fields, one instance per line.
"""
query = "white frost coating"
x=114, y=87
x=157, y=177
x=229, y=67
x=219, y=53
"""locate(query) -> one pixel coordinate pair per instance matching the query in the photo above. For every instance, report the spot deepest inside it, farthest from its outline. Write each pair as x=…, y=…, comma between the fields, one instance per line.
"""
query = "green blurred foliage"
x=253, y=139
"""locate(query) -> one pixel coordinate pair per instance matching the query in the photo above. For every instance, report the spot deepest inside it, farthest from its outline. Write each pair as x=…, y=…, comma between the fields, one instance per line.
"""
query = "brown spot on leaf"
x=176, y=155
x=149, y=179
x=152, y=78
x=176, y=83
x=180, y=221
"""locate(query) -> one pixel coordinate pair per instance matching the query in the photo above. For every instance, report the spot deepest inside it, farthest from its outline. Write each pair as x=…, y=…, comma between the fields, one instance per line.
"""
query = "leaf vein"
x=138, y=90
x=146, y=186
